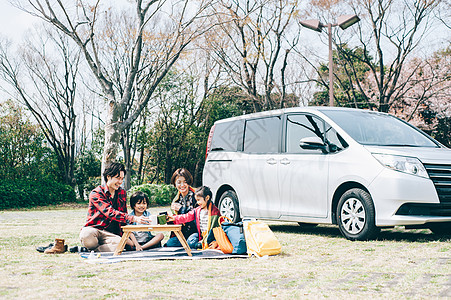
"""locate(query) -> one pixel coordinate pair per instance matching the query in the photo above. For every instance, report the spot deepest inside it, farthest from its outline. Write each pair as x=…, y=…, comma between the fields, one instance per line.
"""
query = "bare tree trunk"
x=113, y=130
x=141, y=157
x=126, y=149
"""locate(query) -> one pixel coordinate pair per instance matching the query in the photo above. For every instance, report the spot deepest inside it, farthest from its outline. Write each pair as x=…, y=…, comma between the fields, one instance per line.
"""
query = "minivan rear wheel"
x=356, y=216
x=228, y=206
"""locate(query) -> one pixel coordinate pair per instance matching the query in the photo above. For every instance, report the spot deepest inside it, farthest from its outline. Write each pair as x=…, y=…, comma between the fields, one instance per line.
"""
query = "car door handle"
x=285, y=161
x=271, y=161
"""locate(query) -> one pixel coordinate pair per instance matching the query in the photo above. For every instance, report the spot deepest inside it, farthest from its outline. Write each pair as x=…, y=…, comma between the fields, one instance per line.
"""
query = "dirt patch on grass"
x=314, y=263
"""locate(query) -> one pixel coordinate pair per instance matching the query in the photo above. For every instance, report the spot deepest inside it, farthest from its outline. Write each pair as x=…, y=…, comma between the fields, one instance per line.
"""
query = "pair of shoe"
x=78, y=249
x=60, y=247
x=42, y=249
x=57, y=248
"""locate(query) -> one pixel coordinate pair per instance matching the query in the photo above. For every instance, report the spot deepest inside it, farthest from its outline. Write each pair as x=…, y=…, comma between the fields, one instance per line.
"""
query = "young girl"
x=183, y=203
x=206, y=217
x=142, y=240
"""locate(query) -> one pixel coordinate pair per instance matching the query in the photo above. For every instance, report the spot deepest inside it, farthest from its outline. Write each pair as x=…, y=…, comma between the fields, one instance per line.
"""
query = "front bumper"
x=404, y=199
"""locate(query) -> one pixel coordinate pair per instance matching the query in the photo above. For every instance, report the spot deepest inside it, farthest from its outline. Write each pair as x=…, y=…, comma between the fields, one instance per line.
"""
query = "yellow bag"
x=260, y=240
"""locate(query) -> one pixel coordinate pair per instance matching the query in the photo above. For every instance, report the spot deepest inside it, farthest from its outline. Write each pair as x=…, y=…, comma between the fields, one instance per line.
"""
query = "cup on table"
x=162, y=218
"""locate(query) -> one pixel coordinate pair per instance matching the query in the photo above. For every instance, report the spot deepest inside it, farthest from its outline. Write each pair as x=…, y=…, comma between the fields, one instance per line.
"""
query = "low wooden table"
x=177, y=229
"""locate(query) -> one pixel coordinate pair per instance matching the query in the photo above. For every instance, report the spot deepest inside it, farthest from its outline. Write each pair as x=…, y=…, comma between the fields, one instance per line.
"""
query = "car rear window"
x=227, y=136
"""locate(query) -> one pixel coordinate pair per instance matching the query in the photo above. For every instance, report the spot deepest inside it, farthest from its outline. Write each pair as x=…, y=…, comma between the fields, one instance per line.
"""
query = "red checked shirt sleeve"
x=102, y=211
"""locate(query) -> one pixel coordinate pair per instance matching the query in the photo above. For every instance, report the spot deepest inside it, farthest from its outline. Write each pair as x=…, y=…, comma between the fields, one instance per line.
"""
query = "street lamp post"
x=342, y=21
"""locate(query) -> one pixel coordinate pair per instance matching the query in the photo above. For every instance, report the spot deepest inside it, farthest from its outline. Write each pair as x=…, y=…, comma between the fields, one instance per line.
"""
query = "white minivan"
x=360, y=169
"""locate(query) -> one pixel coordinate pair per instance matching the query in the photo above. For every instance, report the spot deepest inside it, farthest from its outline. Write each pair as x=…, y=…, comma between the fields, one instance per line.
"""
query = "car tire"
x=356, y=216
x=228, y=206
x=440, y=228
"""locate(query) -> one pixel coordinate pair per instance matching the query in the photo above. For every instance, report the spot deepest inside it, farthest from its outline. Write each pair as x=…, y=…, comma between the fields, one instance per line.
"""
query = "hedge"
x=31, y=193
x=159, y=194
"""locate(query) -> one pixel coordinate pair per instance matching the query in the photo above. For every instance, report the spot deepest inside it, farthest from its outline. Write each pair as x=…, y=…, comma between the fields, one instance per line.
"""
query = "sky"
x=14, y=22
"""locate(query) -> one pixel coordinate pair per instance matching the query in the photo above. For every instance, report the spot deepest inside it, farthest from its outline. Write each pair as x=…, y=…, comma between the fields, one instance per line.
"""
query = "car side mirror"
x=312, y=143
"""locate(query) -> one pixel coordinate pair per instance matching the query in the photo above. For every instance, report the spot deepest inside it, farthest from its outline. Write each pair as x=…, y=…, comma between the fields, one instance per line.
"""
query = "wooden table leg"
x=183, y=241
x=123, y=241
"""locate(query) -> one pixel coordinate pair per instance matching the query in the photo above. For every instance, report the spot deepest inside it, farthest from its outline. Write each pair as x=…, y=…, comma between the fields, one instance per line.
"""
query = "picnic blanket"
x=166, y=253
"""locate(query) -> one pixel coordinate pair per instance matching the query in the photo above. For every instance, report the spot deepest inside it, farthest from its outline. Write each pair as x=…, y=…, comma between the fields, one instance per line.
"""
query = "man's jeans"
x=193, y=241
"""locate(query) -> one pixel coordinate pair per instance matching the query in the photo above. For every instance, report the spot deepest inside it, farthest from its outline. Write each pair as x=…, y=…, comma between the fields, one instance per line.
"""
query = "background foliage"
x=31, y=193
x=159, y=194
x=28, y=168
x=23, y=150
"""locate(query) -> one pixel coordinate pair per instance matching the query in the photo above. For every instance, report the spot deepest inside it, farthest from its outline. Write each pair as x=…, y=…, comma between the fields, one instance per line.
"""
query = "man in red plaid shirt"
x=107, y=212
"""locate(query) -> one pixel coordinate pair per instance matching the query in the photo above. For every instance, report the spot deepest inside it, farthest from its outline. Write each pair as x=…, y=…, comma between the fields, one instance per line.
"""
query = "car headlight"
x=409, y=165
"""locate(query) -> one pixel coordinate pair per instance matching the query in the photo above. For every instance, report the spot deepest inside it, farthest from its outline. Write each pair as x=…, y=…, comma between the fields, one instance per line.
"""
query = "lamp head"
x=312, y=24
x=347, y=20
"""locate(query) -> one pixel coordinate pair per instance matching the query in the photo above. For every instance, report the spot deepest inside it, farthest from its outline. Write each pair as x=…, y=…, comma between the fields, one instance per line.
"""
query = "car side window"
x=301, y=126
x=334, y=140
x=262, y=135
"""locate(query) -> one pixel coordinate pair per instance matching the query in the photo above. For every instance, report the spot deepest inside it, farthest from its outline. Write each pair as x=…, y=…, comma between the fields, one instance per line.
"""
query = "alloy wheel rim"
x=353, y=216
x=227, y=208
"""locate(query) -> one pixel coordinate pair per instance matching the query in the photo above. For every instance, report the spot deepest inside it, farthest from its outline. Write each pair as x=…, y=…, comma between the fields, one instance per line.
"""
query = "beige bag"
x=260, y=240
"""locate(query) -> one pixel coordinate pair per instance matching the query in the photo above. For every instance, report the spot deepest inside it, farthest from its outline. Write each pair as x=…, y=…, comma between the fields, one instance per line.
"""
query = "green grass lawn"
x=314, y=263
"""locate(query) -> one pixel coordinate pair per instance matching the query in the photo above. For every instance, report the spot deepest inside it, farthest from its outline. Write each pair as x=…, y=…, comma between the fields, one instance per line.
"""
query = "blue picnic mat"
x=163, y=253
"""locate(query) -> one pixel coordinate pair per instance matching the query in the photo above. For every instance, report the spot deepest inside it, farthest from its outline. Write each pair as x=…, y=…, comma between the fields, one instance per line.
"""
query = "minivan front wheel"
x=228, y=206
x=356, y=216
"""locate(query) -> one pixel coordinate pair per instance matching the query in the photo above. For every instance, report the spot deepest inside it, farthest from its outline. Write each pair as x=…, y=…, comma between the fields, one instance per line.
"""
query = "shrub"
x=87, y=173
x=159, y=194
x=30, y=193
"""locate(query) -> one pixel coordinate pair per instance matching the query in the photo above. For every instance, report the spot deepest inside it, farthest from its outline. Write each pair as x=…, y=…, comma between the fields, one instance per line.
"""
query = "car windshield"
x=378, y=129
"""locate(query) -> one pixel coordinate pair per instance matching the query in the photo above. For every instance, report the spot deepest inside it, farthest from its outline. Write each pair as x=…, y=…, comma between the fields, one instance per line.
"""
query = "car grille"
x=416, y=209
x=441, y=176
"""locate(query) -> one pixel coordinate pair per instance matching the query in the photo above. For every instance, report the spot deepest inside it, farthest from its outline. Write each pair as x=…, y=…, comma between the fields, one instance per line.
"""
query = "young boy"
x=206, y=217
x=142, y=240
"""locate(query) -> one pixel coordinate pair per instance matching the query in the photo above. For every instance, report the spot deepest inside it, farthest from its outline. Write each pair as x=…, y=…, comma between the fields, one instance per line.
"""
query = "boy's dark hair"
x=203, y=192
x=138, y=197
x=184, y=173
x=113, y=170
